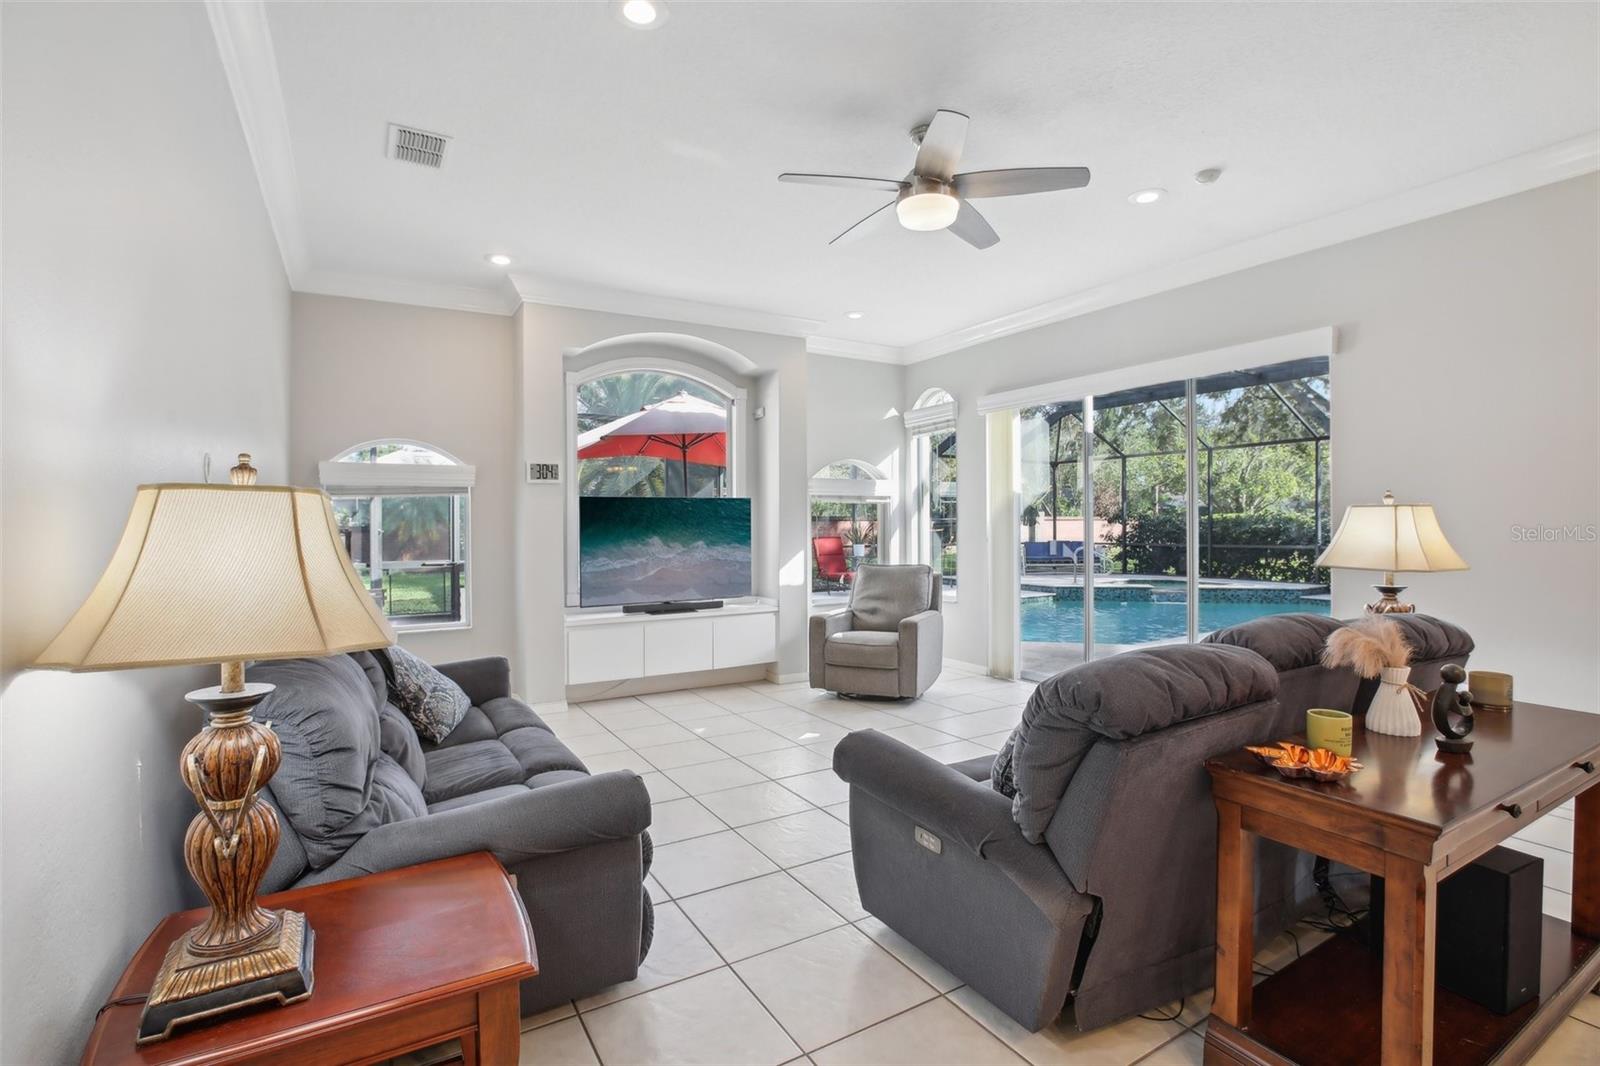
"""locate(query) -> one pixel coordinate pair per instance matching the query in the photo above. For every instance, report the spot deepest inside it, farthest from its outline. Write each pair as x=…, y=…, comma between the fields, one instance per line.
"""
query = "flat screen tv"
x=644, y=549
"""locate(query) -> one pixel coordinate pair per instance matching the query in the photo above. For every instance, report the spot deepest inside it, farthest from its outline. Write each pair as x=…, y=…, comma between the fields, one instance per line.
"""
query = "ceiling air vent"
x=416, y=146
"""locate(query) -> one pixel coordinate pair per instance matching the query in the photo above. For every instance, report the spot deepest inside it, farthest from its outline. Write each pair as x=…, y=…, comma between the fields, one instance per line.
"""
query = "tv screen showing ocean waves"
x=639, y=549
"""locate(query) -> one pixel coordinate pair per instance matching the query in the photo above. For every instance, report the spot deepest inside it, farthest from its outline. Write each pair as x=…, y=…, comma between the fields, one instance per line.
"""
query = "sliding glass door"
x=1263, y=437
x=1168, y=532
x=1050, y=532
x=1139, y=567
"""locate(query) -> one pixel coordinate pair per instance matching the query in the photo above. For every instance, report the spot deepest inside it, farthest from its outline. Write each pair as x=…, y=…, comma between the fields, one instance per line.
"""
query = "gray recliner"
x=889, y=642
x=1096, y=884
x=359, y=792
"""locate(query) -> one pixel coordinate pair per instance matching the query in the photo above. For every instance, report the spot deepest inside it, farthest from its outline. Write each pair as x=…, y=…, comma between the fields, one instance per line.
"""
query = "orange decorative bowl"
x=1296, y=760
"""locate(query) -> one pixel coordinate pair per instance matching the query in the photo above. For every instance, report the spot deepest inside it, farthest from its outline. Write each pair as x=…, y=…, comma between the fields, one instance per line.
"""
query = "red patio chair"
x=831, y=563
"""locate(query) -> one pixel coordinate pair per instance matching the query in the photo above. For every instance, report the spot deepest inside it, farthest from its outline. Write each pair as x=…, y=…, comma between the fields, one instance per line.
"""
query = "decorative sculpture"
x=1451, y=708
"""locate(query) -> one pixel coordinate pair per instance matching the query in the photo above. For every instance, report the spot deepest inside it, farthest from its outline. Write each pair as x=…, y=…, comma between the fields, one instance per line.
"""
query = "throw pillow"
x=1002, y=775
x=433, y=702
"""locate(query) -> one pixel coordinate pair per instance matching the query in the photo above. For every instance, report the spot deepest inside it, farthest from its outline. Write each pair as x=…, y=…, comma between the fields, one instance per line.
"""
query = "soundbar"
x=671, y=607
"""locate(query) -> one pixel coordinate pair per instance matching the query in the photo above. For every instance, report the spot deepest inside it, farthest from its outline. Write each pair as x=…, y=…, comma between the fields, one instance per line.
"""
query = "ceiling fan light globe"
x=927, y=211
x=640, y=13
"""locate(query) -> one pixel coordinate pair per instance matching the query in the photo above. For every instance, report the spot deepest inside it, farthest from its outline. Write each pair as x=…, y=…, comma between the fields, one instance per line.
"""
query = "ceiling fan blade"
x=974, y=228
x=845, y=180
x=941, y=146
x=876, y=222
x=1019, y=181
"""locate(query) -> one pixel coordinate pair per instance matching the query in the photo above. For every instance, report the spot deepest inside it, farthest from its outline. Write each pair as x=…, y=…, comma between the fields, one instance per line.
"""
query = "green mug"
x=1327, y=728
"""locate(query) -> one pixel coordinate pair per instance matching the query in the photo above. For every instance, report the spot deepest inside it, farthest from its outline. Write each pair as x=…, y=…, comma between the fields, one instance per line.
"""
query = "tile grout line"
x=1183, y=1031
x=846, y=925
x=576, y=1013
x=740, y=978
x=786, y=870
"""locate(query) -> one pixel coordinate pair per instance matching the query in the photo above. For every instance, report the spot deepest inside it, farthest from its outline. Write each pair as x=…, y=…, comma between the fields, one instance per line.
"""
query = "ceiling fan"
x=933, y=196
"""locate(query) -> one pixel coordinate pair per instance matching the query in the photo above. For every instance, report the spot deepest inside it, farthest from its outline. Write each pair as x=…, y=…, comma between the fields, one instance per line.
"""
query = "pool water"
x=1053, y=620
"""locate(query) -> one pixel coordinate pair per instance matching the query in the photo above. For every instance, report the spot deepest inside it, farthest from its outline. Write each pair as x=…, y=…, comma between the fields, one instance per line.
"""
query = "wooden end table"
x=1413, y=815
x=403, y=960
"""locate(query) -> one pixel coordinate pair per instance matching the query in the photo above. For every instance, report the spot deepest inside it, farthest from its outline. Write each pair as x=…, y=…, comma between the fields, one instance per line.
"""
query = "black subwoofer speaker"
x=1489, y=928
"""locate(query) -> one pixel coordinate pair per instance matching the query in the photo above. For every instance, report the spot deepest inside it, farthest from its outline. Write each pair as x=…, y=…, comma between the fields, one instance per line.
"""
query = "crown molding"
x=503, y=301
x=535, y=290
x=1557, y=162
x=845, y=349
x=244, y=44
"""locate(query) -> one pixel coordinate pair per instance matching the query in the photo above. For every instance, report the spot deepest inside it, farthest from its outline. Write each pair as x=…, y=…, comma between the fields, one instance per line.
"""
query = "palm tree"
x=609, y=398
x=605, y=399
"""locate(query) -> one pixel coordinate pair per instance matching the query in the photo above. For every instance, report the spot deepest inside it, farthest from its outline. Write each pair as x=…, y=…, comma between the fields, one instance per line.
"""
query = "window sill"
x=428, y=627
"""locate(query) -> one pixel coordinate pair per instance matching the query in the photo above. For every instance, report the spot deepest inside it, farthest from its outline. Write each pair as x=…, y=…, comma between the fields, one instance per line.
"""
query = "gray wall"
x=1466, y=377
x=146, y=323
x=362, y=370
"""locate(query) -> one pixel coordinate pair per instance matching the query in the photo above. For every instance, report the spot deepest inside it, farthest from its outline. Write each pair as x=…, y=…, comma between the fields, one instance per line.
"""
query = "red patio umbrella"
x=685, y=428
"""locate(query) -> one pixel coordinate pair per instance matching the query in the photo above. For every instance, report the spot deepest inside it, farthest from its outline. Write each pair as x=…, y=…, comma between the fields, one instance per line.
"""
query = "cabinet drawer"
x=679, y=646
x=604, y=653
x=743, y=640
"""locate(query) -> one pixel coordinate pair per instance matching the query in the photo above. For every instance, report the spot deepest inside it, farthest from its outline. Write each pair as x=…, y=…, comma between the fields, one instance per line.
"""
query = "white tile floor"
x=762, y=952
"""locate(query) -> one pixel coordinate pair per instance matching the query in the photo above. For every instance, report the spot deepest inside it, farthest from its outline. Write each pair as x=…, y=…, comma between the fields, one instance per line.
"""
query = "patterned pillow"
x=433, y=702
x=1002, y=775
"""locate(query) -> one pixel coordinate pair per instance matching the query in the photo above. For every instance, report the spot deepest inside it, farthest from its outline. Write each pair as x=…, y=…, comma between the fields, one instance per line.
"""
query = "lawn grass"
x=410, y=592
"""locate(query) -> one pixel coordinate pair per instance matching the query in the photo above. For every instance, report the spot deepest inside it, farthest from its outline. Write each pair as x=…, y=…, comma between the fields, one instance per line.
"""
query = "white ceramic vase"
x=1392, y=710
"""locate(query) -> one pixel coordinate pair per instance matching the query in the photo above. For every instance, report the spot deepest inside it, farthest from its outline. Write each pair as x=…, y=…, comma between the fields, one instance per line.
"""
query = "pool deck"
x=1041, y=661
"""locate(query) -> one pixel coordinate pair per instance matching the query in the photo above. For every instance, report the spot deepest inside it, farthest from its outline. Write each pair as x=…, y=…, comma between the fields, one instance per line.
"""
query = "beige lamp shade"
x=1391, y=537
x=219, y=573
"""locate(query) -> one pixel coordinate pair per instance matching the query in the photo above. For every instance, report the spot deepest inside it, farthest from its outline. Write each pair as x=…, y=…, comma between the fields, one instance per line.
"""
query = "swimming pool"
x=1140, y=614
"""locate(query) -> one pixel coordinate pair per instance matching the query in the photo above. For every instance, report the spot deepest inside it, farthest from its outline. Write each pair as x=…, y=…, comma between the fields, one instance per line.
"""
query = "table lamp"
x=225, y=573
x=1391, y=537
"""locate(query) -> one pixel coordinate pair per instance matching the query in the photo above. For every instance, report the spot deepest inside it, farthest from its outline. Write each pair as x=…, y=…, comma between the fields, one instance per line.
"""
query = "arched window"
x=649, y=425
x=652, y=432
x=403, y=510
x=850, y=470
x=851, y=501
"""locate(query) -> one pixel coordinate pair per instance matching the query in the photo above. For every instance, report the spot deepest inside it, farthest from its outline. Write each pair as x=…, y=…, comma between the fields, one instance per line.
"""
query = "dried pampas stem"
x=1366, y=646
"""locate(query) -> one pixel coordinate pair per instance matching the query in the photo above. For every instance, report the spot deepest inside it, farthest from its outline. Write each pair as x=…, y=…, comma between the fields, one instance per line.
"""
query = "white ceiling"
x=607, y=158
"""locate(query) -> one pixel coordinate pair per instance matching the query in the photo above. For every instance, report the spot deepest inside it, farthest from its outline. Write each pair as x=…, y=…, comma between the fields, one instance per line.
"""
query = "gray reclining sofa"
x=359, y=792
x=1099, y=889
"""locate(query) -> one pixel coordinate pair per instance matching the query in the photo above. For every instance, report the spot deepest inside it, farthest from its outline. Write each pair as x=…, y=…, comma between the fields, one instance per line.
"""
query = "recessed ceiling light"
x=853, y=314
x=643, y=14
x=1147, y=196
x=1208, y=175
x=499, y=259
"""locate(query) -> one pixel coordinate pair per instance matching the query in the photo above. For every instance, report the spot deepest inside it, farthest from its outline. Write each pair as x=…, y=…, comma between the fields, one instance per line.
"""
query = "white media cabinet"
x=607, y=645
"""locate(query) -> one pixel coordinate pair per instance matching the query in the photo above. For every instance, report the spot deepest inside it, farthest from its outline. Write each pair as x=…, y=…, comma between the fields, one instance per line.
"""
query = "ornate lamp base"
x=240, y=954
x=190, y=987
x=1388, y=601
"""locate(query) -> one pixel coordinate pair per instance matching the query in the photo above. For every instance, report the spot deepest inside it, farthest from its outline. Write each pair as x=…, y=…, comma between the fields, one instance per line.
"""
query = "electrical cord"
x=1172, y=1017
x=121, y=1001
